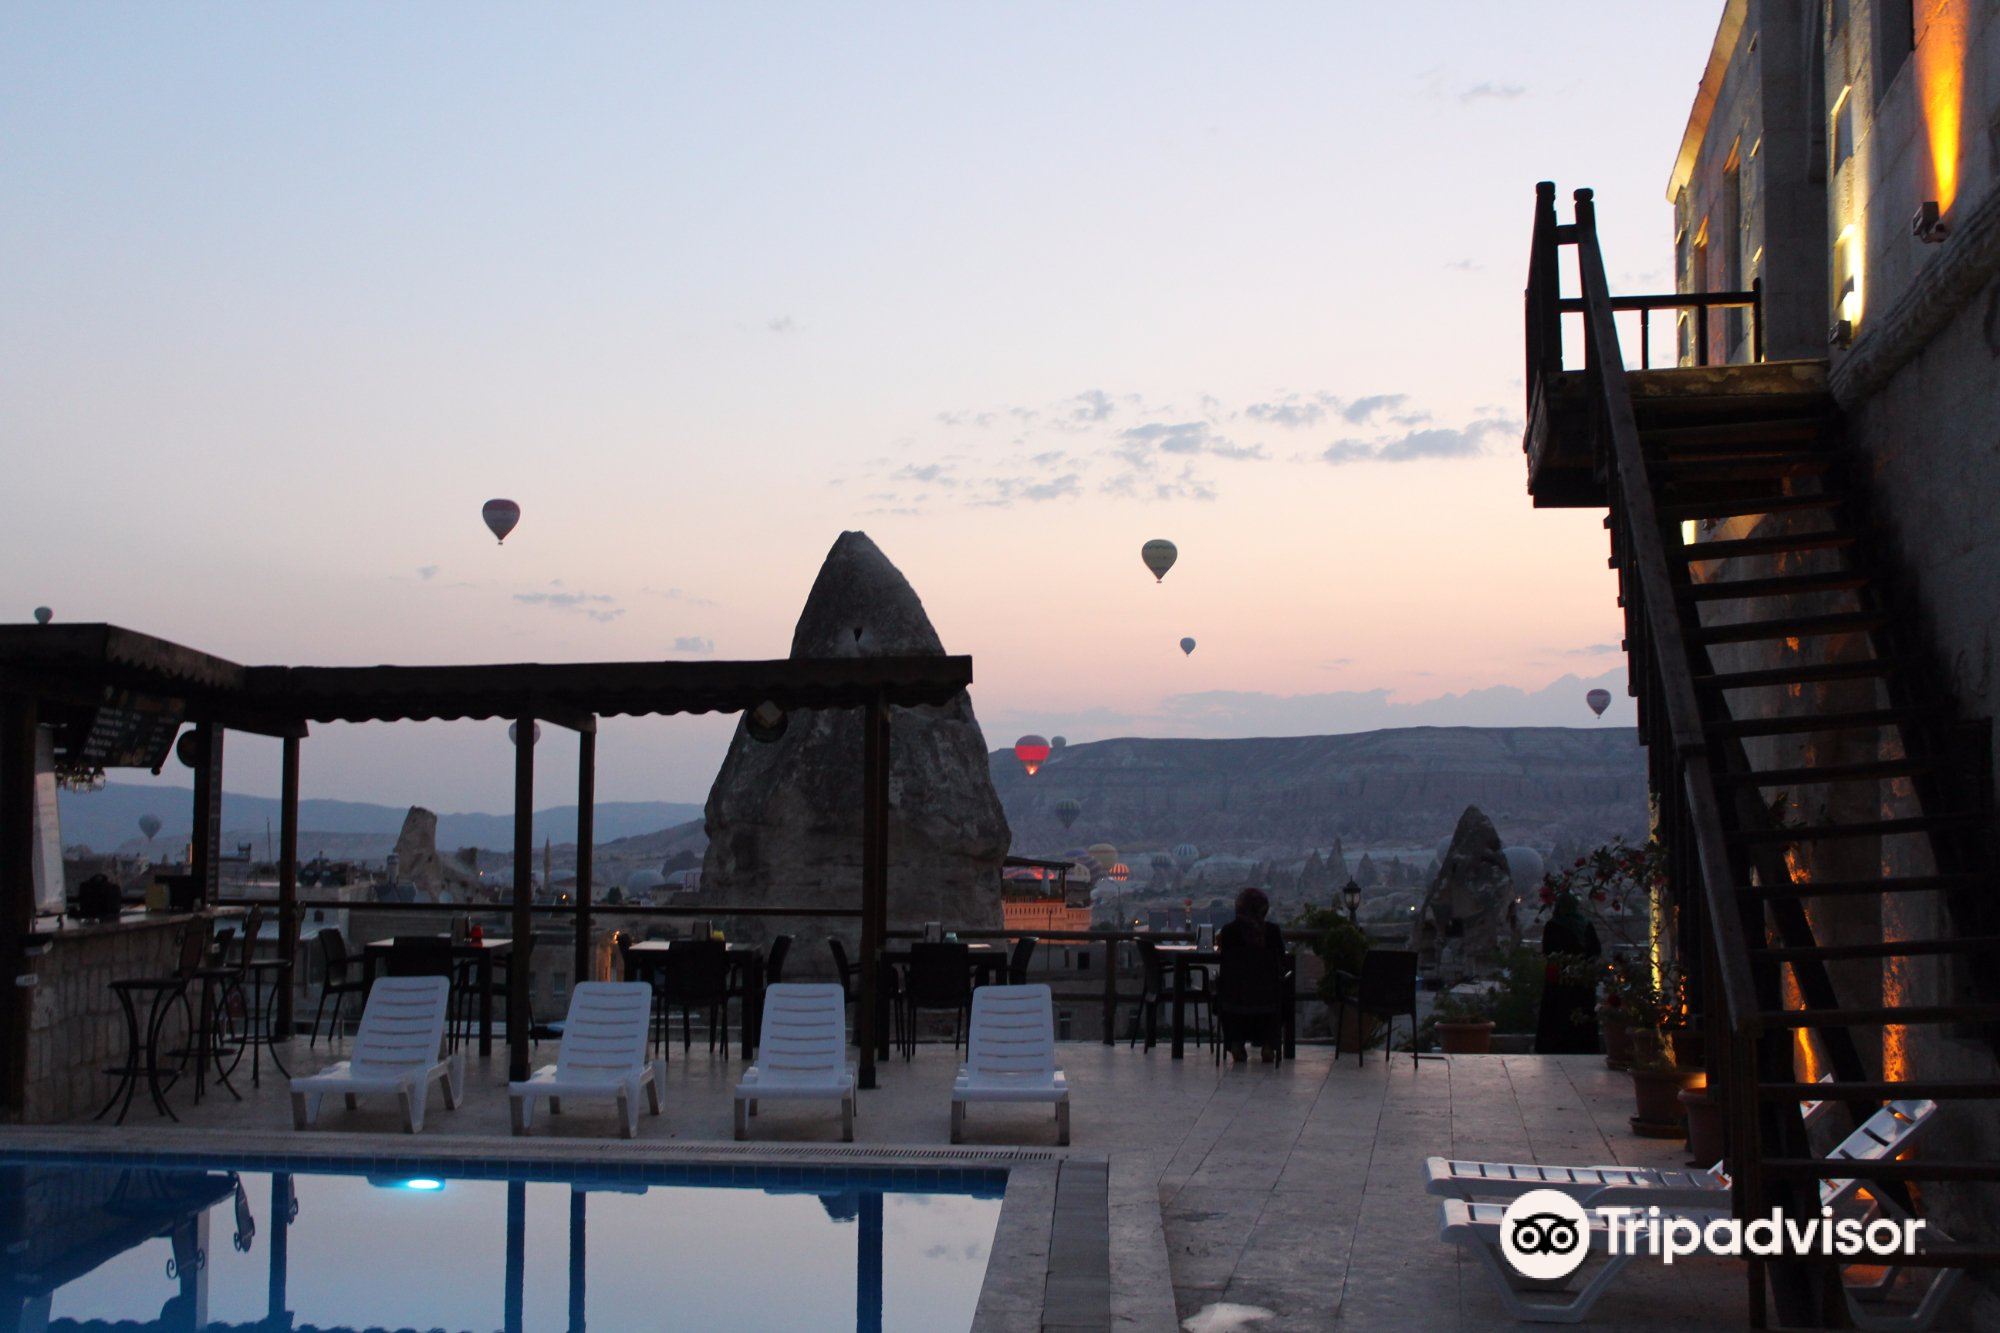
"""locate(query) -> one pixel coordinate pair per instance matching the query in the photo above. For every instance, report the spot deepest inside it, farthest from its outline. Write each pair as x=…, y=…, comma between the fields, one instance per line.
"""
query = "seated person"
x=1249, y=994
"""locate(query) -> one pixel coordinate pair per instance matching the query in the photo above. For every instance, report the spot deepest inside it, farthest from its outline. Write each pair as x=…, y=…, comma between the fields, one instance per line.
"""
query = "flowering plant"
x=1614, y=882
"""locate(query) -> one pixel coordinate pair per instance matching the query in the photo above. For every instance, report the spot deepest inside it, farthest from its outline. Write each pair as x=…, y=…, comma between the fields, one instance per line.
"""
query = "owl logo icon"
x=1545, y=1235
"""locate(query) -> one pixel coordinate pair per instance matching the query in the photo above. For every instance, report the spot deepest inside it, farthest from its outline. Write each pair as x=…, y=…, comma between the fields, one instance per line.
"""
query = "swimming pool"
x=417, y=1243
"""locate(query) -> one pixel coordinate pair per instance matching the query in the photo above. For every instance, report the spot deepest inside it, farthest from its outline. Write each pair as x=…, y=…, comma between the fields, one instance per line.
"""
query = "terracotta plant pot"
x=1617, y=1040
x=1466, y=1038
x=1707, y=1141
x=1656, y=1093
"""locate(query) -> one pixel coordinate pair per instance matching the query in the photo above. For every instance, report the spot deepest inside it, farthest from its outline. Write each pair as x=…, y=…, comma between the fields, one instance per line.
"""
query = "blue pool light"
x=423, y=1183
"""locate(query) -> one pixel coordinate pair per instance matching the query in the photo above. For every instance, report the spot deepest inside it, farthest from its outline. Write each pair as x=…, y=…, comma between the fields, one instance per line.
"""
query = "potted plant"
x=1707, y=1141
x=1656, y=1011
x=1463, y=1024
x=1340, y=945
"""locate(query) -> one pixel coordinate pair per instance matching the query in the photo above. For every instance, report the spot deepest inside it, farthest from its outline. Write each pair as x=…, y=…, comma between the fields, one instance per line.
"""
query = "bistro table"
x=480, y=952
x=1184, y=957
x=984, y=958
x=746, y=966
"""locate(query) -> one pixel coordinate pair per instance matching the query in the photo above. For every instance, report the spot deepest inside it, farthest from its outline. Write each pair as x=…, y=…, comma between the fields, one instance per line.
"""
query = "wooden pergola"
x=117, y=697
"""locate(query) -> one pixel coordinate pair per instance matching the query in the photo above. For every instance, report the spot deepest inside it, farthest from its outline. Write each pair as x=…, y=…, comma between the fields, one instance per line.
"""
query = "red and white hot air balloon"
x=1032, y=751
x=500, y=516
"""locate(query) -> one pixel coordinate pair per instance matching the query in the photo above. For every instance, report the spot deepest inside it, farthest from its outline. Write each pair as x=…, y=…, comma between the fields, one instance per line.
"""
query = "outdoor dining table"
x=1185, y=957
x=480, y=952
x=985, y=959
x=746, y=964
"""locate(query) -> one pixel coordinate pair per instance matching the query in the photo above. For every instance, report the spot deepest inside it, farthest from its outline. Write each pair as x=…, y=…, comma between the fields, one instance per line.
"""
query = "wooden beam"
x=874, y=874
x=17, y=893
x=288, y=877
x=586, y=834
x=207, y=850
x=582, y=721
x=518, y=1018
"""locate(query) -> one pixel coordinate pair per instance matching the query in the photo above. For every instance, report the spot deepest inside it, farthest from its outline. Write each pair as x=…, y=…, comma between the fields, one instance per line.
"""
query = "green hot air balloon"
x=1159, y=555
x=1067, y=809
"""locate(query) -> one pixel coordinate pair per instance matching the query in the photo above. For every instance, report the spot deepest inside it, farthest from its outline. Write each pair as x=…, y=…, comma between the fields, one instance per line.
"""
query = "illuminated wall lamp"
x=1928, y=225
x=1842, y=332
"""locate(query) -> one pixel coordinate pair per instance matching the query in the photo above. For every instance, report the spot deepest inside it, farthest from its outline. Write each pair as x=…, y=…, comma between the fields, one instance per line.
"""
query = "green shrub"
x=1340, y=944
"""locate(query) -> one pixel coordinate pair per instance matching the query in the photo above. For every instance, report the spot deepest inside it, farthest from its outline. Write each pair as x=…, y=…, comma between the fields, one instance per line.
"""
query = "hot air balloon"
x=1186, y=855
x=1159, y=555
x=1032, y=751
x=1187, y=646
x=1105, y=855
x=514, y=734
x=500, y=516
x=1058, y=742
x=1599, y=700
x=43, y=615
x=149, y=825
x=1524, y=864
x=1067, y=809
x=1120, y=873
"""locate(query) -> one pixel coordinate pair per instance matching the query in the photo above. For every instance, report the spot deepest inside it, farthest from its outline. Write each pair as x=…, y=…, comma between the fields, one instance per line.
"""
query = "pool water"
x=191, y=1246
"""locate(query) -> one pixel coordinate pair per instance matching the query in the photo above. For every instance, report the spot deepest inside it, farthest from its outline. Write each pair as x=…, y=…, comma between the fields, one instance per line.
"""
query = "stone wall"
x=76, y=1028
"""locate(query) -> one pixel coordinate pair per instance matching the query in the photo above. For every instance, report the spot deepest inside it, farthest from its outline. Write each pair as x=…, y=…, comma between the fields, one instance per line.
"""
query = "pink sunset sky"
x=1013, y=289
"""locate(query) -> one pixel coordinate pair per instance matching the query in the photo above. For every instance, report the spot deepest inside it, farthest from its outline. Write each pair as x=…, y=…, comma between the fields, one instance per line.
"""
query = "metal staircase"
x=1793, y=721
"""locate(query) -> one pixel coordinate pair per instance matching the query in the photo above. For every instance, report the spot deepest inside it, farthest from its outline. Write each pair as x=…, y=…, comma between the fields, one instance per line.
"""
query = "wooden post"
x=1110, y=989
x=288, y=877
x=874, y=873
x=18, y=716
x=207, y=852
x=586, y=834
x=518, y=1017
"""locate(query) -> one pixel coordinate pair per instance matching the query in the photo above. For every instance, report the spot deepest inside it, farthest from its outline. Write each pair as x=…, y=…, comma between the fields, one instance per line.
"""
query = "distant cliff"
x=1279, y=796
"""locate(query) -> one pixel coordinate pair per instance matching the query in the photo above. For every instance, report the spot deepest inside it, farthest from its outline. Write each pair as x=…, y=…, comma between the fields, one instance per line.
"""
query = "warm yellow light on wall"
x=1940, y=62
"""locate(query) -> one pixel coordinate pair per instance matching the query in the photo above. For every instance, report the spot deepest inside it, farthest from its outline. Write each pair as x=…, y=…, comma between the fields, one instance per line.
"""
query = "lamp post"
x=1351, y=894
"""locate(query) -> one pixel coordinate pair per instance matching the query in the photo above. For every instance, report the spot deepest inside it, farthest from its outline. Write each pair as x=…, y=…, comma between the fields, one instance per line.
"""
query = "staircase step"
x=1864, y=828
x=1792, y=585
x=1723, y=465
x=1936, y=1088
x=1680, y=511
x=1850, y=1168
x=1859, y=888
x=1874, y=717
x=1874, y=770
x=1830, y=953
x=1739, y=547
x=1803, y=673
x=1791, y=627
x=1900, y=1016
x=1762, y=430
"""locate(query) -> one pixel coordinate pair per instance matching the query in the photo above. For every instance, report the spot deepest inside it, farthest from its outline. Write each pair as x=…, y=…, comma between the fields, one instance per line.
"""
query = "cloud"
x=1137, y=485
x=1001, y=491
x=1291, y=411
x=1361, y=409
x=930, y=474
x=1182, y=437
x=1430, y=442
x=678, y=595
x=694, y=643
x=1465, y=266
x=427, y=572
x=1493, y=92
x=782, y=324
x=598, y=606
x=1592, y=650
x=1092, y=405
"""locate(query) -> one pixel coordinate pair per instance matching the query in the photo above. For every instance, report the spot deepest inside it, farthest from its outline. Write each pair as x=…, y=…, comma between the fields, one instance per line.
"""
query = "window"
x=1895, y=36
x=1841, y=133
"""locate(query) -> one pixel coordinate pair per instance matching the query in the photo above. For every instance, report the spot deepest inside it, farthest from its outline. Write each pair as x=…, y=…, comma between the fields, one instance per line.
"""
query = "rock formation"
x=418, y=862
x=1459, y=924
x=784, y=816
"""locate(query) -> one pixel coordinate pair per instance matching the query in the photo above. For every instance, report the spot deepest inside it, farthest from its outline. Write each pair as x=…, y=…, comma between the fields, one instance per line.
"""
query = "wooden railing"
x=1660, y=670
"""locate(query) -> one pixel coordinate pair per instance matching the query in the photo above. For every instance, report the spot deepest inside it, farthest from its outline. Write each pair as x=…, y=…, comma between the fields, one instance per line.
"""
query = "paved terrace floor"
x=1295, y=1190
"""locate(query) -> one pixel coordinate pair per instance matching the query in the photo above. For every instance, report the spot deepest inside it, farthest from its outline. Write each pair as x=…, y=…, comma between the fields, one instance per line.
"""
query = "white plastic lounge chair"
x=399, y=1049
x=1011, y=1055
x=1888, y=1132
x=801, y=1053
x=603, y=1054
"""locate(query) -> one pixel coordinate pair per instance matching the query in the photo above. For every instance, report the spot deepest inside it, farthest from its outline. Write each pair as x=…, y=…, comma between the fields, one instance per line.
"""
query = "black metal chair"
x=848, y=973
x=1156, y=990
x=940, y=977
x=142, y=1041
x=257, y=991
x=336, y=981
x=1017, y=962
x=695, y=975
x=466, y=991
x=774, y=962
x=1385, y=989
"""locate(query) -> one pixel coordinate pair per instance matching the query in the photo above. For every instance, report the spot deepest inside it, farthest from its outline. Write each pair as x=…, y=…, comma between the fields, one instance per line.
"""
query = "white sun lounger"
x=1888, y=1132
x=801, y=1054
x=399, y=1049
x=603, y=1054
x=1011, y=1055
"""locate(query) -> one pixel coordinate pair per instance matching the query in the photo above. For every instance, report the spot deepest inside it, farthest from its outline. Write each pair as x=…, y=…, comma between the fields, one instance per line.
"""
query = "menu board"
x=47, y=854
x=124, y=731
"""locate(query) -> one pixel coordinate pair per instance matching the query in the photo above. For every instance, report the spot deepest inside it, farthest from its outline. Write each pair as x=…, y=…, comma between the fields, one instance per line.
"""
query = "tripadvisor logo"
x=1546, y=1235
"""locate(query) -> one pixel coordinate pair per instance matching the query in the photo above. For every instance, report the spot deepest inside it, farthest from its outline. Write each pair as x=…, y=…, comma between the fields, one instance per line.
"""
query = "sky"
x=1011, y=288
